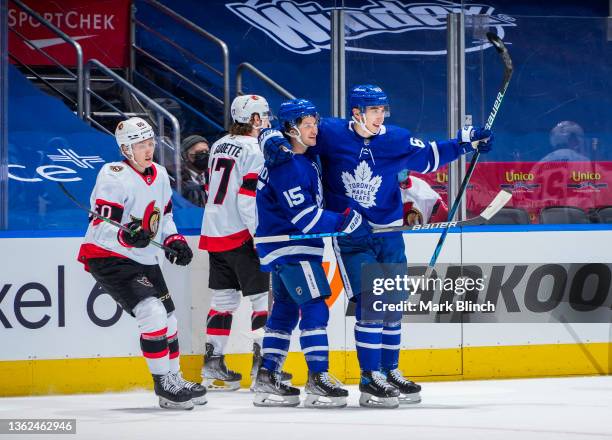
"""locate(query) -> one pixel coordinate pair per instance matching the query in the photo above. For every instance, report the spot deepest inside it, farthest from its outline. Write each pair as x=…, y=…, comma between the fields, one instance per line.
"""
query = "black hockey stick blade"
x=108, y=220
x=499, y=45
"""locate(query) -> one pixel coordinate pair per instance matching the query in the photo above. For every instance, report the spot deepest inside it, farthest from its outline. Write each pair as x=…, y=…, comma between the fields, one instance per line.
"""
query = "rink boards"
x=62, y=335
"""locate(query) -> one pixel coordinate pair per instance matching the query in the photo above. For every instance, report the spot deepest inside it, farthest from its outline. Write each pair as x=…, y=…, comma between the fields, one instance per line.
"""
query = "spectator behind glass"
x=567, y=140
x=195, y=152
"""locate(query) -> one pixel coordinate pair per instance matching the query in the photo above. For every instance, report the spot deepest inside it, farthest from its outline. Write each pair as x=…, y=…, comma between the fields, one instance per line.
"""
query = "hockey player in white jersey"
x=137, y=194
x=229, y=223
x=421, y=203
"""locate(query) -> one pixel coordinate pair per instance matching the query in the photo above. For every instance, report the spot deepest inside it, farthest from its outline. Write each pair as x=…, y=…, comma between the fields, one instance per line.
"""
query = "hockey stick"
x=503, y=52
x=110, y=221
x=496, y=204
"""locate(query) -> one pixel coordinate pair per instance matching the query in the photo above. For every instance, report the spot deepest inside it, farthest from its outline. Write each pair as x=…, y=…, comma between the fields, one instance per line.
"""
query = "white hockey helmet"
x=132, y=131
x=243, y=108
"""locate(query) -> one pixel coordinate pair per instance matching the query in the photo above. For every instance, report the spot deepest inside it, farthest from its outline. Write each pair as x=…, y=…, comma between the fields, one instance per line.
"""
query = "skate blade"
x=324, y=402
x=220, y=385
x=274, y=400
x=200, y=400
x=169, y=404
x=410, y=399
x=368, y=400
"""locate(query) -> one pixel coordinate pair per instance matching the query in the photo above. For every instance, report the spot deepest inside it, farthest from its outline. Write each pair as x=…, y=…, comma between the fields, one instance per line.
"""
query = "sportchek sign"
x=101, y=28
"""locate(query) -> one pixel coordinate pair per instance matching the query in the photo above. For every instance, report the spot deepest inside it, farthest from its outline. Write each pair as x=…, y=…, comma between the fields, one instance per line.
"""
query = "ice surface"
x=559, y=408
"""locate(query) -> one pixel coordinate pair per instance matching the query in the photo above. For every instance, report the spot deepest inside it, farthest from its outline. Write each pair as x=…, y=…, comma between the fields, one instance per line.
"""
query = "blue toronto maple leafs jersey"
x=290, y=201
x=362, y=173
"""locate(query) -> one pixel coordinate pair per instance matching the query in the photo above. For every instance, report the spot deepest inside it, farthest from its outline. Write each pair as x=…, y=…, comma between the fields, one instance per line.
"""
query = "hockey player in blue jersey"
x=360, y=160
x=290, y=201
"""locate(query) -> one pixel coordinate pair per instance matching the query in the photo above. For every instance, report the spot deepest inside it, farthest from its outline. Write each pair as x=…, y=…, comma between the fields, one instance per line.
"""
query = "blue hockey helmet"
x=368, y=95
x=294, y=109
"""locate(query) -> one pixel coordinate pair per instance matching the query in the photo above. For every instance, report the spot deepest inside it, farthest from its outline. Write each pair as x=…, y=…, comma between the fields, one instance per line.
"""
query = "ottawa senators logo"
x=150, y=219
x=116, y=168
x=413, y=217
x=153, y=222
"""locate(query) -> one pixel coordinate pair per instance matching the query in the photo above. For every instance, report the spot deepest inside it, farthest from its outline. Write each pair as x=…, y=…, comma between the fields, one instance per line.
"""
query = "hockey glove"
x=138, y=239
x=482, y=138
x=183, y=254
x=354, y=224
x=276, y=149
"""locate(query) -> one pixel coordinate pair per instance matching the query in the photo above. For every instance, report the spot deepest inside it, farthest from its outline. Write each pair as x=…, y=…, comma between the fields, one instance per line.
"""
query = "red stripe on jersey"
x=214, y=312
x=218, y=331
x=168, y=207
x=246, y=192
x=251, y=176
x=174, y=354
x=148, y=178
x=159, y=354
x=113, y=214
x=226, y=243
x=260, y=313
x=155, y=334
x=106, y=202
x=90, y=250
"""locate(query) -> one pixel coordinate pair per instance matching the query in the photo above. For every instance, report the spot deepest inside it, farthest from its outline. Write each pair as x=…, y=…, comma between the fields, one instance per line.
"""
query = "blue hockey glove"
x=469, y=134
x=276, y=149
x=354, y=224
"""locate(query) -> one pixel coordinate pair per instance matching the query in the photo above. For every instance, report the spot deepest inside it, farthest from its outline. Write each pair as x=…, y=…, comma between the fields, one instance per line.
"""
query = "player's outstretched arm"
x=426, y=157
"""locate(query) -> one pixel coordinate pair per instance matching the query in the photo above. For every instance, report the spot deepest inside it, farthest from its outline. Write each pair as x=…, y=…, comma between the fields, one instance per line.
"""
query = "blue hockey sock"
x=368, y=340
x=391, y=338
x=313, y=339
x=275, y=348
x=315, y=348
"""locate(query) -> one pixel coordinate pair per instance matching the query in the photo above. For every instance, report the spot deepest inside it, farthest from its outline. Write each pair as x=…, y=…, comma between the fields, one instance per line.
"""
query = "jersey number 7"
x=227, y=165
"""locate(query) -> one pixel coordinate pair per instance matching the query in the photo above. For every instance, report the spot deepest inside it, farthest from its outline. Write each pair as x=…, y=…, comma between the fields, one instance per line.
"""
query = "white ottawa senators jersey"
x=230, y=214
x=123, y=194
x=421, y=203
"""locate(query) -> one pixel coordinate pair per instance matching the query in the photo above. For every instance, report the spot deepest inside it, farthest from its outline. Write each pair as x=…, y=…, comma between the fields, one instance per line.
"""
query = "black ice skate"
x=171, y=396
x=376, y=392
x=257, y=360
x=271, y=391
x=198, y=392
x=409, y=391
x=216, y=375
x=324, y=391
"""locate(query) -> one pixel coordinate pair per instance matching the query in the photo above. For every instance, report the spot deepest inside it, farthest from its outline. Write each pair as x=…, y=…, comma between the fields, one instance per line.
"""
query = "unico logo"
x=305, y=27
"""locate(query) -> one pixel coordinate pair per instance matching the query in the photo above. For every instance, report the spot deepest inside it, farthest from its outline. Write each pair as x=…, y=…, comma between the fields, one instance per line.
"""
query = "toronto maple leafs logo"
x=361, y=186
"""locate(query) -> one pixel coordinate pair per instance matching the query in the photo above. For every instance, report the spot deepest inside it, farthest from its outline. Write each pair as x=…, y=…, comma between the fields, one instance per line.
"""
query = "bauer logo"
x=305, y=27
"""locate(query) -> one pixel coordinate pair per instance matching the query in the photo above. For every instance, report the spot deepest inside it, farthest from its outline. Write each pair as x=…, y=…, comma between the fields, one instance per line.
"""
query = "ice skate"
x=198, y=392
x=215, y=374
x=257, y=360
x=171, y=395
x=271, y=391
x=324, y=391
x=376, y=392
x=409, y=391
